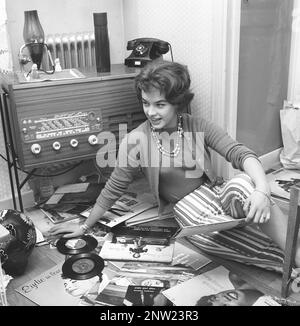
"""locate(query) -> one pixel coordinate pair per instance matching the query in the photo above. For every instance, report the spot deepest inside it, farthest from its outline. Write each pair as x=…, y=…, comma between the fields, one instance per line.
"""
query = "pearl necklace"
x=177, y=147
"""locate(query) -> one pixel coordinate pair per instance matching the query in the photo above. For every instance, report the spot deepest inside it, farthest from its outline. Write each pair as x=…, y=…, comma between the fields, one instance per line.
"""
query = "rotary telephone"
x=145, y=50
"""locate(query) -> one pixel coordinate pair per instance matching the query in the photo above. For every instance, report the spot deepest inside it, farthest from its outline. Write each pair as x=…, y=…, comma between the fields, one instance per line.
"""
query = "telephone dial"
x=145, y=50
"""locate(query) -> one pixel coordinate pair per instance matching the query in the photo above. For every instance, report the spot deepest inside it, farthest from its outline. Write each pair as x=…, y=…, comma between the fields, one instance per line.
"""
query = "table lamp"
x=34, y=38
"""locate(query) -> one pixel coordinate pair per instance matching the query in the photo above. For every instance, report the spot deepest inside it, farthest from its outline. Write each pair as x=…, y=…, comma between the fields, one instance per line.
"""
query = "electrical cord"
x=171, y=52
x=100, y=173
x=46, y=175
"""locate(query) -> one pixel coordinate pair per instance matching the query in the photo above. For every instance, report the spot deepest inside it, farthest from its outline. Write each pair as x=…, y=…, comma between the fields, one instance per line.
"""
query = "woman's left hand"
x=257, y=208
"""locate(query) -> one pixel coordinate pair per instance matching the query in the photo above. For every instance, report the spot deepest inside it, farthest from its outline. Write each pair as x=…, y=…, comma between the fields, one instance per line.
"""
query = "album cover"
x=139, y=273
x=52, y=289
x=151, y=234
x=114, y=293
x=120, y=251
x=88, y=299
x=147, y=216
x=186, y=254
x=143, y=295
x=208, y=224
x=124, y=208
x=136, y=248
x=281, y=181
x=217, y=287
x=65, y=214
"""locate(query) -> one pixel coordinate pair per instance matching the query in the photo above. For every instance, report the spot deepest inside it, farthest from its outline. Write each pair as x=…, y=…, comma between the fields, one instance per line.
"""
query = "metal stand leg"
x=291, y=240
x=9, y=164
x=10, y=153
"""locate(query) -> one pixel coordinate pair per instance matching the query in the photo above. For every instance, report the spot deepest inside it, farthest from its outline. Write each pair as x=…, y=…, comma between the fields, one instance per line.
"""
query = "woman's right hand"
x=71, y=230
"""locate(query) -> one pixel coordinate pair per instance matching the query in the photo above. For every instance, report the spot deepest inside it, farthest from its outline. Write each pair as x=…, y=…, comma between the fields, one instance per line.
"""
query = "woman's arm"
x=257, y=206
x=114, y=188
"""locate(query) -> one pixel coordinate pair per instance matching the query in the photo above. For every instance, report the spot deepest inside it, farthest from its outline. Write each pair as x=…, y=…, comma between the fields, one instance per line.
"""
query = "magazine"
x=281, y=181
x=52, y=289
x=124, y=208
x=210, y=223
x=217, y=287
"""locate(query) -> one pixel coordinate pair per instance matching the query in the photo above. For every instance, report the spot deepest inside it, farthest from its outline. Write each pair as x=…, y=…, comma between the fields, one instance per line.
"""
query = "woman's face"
x=229, y=298
x=160, y=113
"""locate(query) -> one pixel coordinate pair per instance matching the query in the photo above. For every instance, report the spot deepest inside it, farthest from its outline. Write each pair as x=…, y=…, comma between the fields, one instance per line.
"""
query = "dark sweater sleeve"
x=217, y=139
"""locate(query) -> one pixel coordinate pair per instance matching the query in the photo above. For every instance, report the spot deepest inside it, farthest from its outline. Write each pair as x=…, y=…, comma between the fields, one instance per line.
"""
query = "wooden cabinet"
x=60, y=120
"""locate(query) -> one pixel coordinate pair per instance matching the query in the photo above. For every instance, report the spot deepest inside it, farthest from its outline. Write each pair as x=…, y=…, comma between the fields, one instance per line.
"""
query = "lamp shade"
x=34, y=36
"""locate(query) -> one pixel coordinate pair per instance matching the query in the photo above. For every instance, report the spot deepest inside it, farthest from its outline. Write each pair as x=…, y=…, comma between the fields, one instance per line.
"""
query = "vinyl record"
x=83, y=266
x=75, y=246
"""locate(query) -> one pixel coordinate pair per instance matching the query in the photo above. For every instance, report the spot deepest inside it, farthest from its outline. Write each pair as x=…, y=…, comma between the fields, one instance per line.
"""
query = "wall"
x=263, y=73
x=187, y=26
x=67, y=16
x=294, y=78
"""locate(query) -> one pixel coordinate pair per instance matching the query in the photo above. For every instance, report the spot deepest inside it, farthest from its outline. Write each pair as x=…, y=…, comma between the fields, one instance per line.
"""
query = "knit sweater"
x=138, y=150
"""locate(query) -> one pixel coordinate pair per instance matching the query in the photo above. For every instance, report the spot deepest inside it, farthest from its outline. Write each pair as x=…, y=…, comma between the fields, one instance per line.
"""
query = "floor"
x=266, y=281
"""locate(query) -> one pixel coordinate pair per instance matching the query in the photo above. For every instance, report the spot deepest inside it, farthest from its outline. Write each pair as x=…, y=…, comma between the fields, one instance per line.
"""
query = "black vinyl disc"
x=83, y=266
x=73, y=246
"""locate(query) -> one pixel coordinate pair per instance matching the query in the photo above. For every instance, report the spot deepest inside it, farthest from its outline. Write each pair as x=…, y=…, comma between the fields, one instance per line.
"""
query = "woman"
x=172, y=149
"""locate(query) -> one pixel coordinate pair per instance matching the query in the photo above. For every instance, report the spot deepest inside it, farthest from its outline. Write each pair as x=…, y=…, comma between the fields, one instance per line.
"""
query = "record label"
x=83, y=266
x=75, y=246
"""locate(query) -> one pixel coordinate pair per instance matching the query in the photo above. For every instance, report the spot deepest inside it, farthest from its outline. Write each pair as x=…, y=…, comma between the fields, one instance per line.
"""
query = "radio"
x=57, y=121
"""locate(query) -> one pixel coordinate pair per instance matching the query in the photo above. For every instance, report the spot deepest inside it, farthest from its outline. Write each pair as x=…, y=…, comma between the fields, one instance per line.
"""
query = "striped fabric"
x=248, y=244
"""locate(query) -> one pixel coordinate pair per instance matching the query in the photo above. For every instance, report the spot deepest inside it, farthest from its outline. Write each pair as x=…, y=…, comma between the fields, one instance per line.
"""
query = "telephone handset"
x=145, y=50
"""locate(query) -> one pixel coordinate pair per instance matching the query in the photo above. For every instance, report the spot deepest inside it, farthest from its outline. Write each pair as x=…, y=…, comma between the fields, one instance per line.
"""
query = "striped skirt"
x=248, y=245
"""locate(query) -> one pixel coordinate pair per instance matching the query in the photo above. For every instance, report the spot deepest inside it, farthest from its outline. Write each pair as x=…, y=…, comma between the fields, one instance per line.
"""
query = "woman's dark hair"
x=206, y=301
x=170, y=78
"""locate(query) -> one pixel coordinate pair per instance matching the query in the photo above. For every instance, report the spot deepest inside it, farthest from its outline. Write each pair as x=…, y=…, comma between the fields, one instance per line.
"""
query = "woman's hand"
x=72, y=230
x=257, y=208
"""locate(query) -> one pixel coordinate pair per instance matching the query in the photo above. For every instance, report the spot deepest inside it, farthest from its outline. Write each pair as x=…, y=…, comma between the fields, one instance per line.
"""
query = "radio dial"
x=74, y=143
x=56, y=146
x=36, y=149
x=93, y=140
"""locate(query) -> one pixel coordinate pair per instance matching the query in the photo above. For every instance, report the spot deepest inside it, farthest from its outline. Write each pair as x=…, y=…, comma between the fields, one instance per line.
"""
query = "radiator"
x=76, y=50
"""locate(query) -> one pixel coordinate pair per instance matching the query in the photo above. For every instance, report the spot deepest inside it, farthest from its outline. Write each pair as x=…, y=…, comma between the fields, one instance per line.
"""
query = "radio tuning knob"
x=36, y=149
x=56, y=146
x=74, y=143
x=93, y=140
x=91, y=116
